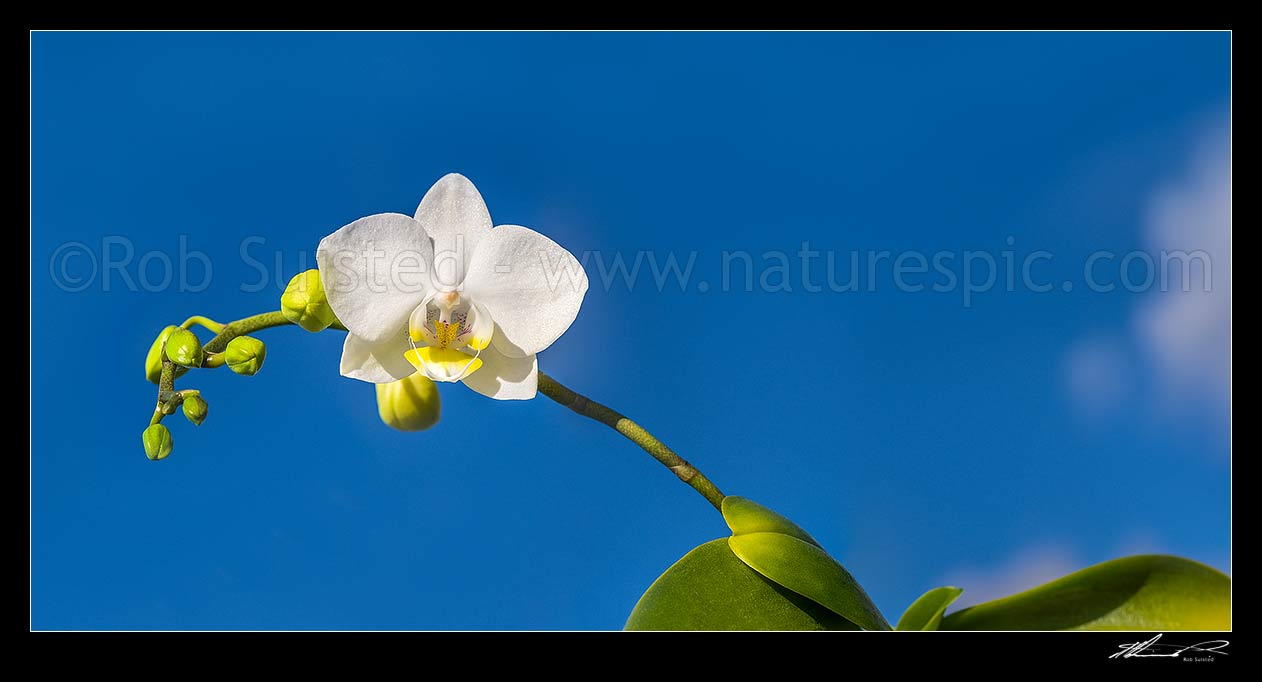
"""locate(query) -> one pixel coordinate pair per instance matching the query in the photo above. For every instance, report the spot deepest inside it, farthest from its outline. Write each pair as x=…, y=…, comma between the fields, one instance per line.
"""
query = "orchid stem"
x=241, y=327
x=635, y=433
x=547, y=386
x=214, y=347
x=203, y=321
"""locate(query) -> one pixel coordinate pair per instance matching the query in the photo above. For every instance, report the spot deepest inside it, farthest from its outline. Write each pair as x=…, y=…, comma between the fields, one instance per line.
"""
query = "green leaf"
x=711, y=589
x=1148, y=592
x=746, y=516
x=809, y=571
x=926, y=612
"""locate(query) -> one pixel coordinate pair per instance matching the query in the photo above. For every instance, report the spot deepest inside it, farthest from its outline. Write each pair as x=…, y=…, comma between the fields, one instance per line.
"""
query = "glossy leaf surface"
x=1147, y=592
x=809, y=571
x=926, y=612
x=711, y=589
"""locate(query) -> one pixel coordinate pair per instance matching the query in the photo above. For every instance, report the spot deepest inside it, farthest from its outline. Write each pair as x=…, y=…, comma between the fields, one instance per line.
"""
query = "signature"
x=1154, y=649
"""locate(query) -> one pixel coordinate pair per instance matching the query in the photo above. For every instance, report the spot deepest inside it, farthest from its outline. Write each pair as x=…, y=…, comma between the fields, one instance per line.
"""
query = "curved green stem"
x=547, y=386
x=635, y=433
x=230, y=331
x=214, y=348
x=246, y=325
x=203, y=321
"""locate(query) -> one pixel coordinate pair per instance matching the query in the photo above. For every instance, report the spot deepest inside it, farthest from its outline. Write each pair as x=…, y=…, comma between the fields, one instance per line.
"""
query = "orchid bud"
x=153, y=361
x=410, y=404
x=183, y=348
x=195, y=409
x=157, y=440
x=244, y=355
x=305, y=304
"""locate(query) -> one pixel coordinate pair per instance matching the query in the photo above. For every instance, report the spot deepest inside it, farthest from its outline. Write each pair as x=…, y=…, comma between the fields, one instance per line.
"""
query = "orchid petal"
x=376, y=363
x=455, y=216
x=532, y=287
x=505, y=378
x=375, y=271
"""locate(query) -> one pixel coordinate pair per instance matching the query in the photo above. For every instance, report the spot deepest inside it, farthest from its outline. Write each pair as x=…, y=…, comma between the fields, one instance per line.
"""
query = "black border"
x=670, y=653
x=452, y=16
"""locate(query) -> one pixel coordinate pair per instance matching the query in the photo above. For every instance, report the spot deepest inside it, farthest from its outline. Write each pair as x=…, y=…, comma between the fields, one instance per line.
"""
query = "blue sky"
x=920, y=439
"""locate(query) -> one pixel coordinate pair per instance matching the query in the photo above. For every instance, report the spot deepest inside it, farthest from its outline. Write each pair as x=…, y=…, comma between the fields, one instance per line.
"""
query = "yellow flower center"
x=446, y=332
x=452, y=332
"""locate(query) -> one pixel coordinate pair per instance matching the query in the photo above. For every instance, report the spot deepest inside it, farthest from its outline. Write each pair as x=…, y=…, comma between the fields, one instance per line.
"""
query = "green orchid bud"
x=184, y=349
x=304, y=303
x=153, y=361
x=244, y=355
x=158, y=443
x=195, y=408
x=410, y=404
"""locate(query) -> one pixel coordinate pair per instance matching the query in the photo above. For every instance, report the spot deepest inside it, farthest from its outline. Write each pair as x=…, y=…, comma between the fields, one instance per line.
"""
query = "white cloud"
x=1187, y=334
x=1178, y=338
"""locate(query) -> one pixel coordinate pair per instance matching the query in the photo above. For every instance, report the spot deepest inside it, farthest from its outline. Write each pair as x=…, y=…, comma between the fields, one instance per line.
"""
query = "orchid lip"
x=453, y=331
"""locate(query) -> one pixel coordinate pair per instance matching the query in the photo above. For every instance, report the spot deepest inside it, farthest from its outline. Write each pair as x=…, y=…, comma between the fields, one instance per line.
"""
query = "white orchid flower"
x=447, y=294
